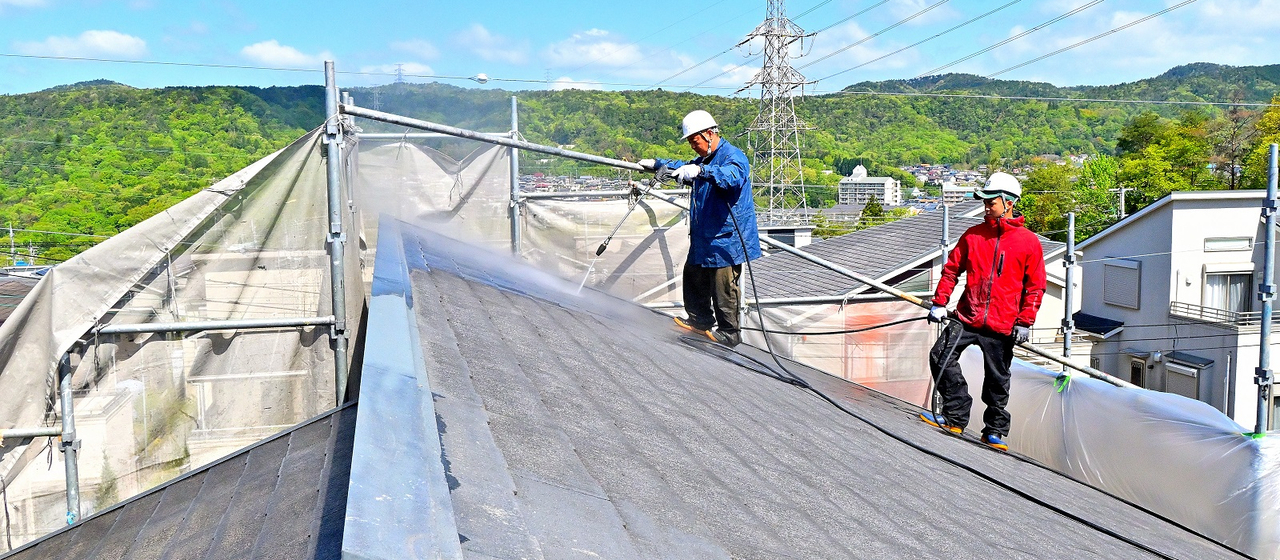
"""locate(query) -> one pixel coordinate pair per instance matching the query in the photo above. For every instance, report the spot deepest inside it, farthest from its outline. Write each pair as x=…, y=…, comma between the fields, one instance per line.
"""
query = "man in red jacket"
x=1003, y=265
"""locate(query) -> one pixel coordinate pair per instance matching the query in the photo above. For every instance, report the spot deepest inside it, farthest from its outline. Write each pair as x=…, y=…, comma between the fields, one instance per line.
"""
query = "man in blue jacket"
x=722, y=228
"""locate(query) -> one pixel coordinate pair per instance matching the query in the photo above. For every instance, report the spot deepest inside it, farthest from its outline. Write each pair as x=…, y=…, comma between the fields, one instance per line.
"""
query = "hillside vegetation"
x=96, y=158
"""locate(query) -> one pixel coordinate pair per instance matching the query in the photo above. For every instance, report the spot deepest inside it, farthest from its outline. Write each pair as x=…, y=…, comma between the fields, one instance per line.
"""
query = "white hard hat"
x=696, y=122
x=1000, y=183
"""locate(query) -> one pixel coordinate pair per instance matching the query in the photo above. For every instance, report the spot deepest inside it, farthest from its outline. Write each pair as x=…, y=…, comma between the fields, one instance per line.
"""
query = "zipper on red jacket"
x=991, y=279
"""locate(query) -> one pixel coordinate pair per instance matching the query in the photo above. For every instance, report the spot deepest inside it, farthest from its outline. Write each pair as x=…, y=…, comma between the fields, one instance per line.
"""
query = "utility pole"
x=13, y=253
x=1068, y=321
x=775, y=132
x=1266, y=293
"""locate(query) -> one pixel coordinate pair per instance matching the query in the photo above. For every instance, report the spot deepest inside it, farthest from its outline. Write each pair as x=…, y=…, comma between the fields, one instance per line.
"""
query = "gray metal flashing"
x=398, y=503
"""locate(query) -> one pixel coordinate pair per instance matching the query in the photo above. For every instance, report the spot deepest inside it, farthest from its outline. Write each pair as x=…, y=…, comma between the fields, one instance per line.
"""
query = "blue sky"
x=631, y=45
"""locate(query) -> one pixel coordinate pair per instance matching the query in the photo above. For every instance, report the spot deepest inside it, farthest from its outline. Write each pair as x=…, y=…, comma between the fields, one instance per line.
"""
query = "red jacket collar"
x=1018, y=221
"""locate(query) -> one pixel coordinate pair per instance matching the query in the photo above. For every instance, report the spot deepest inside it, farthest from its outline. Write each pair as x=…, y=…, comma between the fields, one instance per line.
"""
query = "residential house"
x=1170, y=295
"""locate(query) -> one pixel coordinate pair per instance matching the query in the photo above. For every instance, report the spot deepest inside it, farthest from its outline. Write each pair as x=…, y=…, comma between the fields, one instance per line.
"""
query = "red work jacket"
x=1003, y=265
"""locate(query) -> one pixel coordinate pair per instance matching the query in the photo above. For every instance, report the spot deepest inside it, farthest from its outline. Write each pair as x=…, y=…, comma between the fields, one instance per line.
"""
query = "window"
x=1120, y=280
x=1182, y=380
x=1138, y=372
x=1212, y=244
x=1275, y=410
x=1095, y=362
x=1229, y=292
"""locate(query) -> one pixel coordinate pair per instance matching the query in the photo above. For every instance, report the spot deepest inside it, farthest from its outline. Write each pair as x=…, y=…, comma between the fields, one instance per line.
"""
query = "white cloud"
x=21, y=4
x=594, y=46
x=565, y=82
x=492, y=47
x=272, y=53
x=417, y=47
x=409, y=68
x=88, y=44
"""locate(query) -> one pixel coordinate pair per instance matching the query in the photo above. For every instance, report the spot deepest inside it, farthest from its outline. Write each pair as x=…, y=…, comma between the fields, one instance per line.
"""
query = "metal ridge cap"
x=398, y=502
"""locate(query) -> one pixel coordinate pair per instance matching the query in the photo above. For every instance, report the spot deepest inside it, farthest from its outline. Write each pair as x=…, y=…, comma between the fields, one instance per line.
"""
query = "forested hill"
x=97, y=157
x=1200, y=81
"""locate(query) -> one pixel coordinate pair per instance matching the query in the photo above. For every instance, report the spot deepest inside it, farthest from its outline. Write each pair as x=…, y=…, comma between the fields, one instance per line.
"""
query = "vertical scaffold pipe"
x=70, y=445
x=1069, y=262
x=515, y=181
x=1267, y=293
x=337, y=240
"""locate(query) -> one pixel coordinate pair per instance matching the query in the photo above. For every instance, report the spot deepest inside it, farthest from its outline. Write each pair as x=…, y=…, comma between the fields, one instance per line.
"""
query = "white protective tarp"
x=152, y=406
x=1178, y=457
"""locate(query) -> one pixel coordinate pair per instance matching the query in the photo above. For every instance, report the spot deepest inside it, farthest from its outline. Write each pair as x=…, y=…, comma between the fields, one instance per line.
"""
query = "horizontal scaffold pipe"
x=392, y=137
x=591, y=194
x=797, y=300
x=481, y=137
x=1091, y=372
x=22, y=433
x=190, y=326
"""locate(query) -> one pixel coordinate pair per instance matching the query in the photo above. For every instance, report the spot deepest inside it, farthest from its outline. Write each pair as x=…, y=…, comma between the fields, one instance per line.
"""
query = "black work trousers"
x=711, y=297
x=997, y=356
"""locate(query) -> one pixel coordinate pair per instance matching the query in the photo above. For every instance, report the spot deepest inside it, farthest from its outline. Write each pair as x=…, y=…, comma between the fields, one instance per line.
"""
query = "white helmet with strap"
x=1001, y=184
x=696, y=122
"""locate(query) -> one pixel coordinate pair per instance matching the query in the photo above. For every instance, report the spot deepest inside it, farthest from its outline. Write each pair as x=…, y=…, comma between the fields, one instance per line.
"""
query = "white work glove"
x=648, y=164
x=686, y=173
x=1021, y=334
x=937, y=313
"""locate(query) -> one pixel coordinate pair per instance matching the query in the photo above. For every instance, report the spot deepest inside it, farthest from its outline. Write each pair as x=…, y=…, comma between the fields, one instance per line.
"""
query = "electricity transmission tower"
x=775, y=132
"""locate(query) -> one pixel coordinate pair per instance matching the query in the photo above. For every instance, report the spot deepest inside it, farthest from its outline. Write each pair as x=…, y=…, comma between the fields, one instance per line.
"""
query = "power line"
x=1094, y=38
x=920, y=42
x=1052, y=21
x=923, y=11
x=814, y=34
x=676, y=21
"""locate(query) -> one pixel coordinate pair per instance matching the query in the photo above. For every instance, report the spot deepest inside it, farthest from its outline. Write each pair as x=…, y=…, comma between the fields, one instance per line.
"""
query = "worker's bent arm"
x=732, y=175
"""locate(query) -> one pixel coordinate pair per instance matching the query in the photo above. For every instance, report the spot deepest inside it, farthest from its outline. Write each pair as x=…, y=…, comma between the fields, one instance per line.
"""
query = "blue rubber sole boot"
x=938, y=421
x=993, y=441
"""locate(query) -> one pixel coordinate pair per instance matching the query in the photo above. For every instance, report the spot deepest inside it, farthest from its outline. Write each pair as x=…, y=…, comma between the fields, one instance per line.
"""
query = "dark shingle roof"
x=875, y=252
x=12, y=290
x=585, y=427
x=284, y=497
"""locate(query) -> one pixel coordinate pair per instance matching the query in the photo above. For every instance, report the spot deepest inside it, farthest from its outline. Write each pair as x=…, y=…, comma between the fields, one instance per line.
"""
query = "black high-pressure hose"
x=796, y=380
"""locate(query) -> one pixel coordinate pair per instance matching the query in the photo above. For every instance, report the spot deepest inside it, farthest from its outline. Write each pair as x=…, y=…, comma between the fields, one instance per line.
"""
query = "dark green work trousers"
x=711, y=297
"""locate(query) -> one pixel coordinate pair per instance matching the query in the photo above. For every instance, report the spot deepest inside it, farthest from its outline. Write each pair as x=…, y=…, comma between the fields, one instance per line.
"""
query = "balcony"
x=1217, y=316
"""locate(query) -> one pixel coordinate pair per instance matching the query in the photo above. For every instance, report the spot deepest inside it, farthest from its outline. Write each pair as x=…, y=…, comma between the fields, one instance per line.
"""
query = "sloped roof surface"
x=584, y=426
x=282, y=498
x=12, y=290
x=875, y=252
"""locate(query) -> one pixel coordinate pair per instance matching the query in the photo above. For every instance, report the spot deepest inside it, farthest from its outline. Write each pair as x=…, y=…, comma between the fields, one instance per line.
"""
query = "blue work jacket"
x=723, y=185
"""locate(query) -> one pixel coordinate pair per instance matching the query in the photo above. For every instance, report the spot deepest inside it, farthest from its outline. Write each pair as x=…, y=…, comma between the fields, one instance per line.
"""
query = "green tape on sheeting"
x=1061, y=381
x=1252, y=435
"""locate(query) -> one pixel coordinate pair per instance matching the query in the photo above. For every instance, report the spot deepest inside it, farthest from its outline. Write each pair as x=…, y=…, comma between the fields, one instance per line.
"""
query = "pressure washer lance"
x=636, y=195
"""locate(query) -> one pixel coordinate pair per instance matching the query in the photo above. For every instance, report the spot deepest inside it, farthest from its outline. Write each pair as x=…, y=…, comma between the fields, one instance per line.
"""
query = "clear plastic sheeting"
x=152, y=406
x=470, y=198
x=1178, y=457
x=893, y=360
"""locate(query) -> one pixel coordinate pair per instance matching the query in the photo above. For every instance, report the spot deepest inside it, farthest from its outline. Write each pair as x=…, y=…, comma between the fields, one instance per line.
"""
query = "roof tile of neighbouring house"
x=284, y=497
x=12, y=290
x=874, y=252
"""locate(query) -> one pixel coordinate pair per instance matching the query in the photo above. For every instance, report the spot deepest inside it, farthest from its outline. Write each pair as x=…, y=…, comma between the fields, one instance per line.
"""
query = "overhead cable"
x=1039, y=98
x=1057, y=19
x=1094, y=38
x=815, y=33
x=923, y=11
x=920, y=42
x=675, y=22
